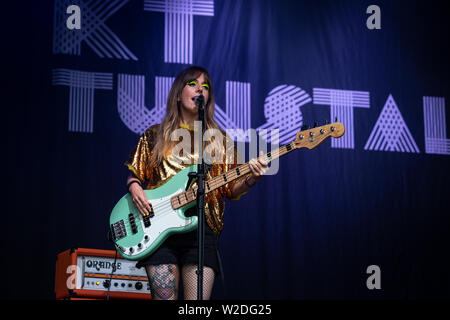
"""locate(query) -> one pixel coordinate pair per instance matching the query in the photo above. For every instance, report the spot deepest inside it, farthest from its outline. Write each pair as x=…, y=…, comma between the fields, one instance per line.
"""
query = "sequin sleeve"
x=231, y=160
x=139, y=159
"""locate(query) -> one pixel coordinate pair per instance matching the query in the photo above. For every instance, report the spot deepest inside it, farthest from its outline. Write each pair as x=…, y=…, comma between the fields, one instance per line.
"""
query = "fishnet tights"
x=164, y=281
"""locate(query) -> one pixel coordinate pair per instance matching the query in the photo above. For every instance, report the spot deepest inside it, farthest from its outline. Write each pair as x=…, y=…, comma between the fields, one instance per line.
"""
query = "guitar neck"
x=309, y=138
x=186, y=197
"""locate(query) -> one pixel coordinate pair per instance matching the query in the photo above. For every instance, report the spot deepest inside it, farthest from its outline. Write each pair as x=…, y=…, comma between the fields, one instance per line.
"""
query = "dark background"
x=309, y=232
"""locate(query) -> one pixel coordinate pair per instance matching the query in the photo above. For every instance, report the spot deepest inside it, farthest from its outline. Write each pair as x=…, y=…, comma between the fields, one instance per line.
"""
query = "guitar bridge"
x=118, y=230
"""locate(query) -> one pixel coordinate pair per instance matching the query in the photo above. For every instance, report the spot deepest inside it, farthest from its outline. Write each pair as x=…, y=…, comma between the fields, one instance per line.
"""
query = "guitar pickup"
x=147, y=222
x=151, y=213
x=132, y=221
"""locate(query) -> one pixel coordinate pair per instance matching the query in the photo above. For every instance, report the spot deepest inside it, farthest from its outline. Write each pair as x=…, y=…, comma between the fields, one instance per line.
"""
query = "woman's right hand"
x=139, y=199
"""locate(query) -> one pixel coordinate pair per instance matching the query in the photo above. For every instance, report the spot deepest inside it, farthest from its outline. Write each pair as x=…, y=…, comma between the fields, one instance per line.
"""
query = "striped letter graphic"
x=282, y=112
x=391, y=132
x=236, y=117
x=137, y=117
x=436, y=141
x=341, y=104
x=131, y=101
x=81, y=97
x=94, y=32
x=179, y=25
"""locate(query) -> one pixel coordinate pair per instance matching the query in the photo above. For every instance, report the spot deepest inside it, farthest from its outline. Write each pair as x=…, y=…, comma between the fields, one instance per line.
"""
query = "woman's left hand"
x=258, y=167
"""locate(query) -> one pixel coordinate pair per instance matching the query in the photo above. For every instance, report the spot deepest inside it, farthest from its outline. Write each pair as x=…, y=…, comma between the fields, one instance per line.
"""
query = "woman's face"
x=192, y=90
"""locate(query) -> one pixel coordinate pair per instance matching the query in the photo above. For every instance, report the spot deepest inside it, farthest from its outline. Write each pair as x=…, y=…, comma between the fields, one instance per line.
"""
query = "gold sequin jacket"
x=153, y=177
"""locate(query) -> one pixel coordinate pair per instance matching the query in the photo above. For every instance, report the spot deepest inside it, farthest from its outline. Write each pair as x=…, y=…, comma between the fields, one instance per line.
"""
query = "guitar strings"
x=215, y=183
x=165, y=207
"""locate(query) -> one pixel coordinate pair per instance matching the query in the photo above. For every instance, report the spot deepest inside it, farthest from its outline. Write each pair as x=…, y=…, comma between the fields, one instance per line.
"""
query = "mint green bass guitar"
x=136, y=236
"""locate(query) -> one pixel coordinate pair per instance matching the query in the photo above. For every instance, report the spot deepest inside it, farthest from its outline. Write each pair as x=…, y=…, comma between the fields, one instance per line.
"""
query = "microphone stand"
x=200, y=102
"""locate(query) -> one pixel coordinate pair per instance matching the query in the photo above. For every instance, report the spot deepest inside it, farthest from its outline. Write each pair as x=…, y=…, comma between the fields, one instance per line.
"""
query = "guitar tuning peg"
x=326, y=121
x=304, y=127
x=335, y=119
x=315, y=124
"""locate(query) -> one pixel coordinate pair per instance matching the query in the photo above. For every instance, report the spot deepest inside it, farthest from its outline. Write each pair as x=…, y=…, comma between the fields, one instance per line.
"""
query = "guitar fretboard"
x=184, y=198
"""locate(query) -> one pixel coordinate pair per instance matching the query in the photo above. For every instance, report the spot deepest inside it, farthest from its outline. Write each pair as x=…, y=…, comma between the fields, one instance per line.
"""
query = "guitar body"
x=132, y=234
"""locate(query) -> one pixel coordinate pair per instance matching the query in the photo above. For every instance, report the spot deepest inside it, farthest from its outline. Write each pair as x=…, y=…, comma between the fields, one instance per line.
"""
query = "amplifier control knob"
x=138, y=285
x=106, y=284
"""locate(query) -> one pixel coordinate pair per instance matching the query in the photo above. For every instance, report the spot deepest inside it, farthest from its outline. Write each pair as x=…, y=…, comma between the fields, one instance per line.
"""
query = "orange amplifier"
x=86, y=273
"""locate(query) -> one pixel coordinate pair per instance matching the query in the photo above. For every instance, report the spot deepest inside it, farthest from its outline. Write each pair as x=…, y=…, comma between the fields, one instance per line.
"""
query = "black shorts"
x=182, y=248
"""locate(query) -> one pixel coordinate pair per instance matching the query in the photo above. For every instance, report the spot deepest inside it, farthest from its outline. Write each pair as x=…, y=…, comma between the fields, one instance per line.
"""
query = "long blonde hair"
x=172, y=119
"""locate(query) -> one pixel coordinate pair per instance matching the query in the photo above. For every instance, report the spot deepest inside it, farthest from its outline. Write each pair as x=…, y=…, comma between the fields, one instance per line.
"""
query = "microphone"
x=199, y=101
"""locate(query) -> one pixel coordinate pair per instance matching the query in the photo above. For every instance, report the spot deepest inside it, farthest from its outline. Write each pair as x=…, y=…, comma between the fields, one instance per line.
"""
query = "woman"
x=153, y=163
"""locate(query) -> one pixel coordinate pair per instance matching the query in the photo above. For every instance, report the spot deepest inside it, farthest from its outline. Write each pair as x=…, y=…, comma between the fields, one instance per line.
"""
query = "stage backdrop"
x=86, y=78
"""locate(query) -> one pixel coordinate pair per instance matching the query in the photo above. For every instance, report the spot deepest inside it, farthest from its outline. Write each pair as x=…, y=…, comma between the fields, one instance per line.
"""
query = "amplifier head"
x=86, y=273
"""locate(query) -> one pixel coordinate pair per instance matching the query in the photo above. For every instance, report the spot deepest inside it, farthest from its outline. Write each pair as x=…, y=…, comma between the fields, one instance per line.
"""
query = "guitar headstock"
x=311, y=138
